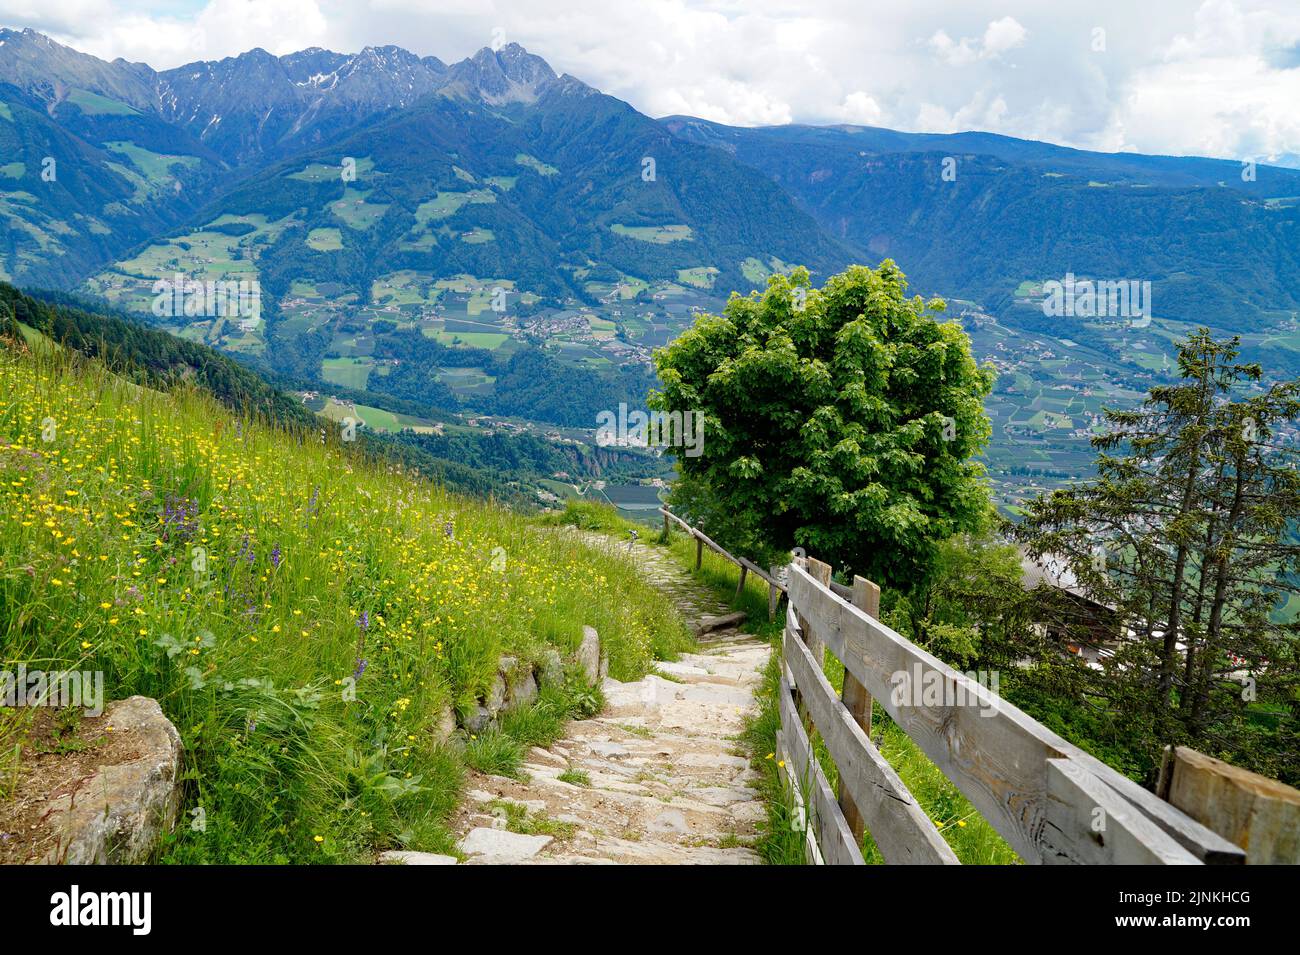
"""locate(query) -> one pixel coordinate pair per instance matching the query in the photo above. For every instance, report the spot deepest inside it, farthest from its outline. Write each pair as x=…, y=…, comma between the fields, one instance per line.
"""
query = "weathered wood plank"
x=703, y=540
x=1259, y=814
x=834, y=838
x=841, y=590
x=856, y=699
x=793, y=631
x=995, y=754
x=669, y=515
x=1004, y=778
x=1201, y=841
x=1088, y=823
x=901, y=829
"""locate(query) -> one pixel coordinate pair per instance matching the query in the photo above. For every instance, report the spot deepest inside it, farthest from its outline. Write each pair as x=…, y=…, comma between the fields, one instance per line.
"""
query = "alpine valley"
x=480, y=257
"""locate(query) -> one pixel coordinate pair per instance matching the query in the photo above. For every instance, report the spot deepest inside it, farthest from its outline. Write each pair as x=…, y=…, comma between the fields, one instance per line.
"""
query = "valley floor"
x=659, y=777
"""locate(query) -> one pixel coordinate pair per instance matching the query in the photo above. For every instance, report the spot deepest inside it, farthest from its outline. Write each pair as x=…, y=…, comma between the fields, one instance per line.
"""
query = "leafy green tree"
x=843, y=420
x=972, y=611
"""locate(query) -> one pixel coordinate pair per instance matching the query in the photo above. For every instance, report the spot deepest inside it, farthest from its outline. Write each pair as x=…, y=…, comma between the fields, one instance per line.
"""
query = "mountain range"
x=490, y=237
x=221, y=135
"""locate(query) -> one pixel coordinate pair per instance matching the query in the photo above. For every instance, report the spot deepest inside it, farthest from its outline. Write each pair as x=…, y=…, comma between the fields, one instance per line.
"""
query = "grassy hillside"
x=507, y=467
x=243, y=574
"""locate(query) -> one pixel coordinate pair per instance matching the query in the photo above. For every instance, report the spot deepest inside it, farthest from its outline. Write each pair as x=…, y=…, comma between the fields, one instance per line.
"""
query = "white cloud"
x=981, y=112
x=999, y=37
x=860, y=109
x=954, y=54
x=1003, y=35
x=220, y=28
x=1206, y=76
x=1215, y=90
x=51, y=16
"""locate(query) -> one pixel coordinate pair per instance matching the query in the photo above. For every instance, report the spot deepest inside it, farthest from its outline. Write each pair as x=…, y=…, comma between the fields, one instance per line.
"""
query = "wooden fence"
x=775, y=589
x=1052, y=802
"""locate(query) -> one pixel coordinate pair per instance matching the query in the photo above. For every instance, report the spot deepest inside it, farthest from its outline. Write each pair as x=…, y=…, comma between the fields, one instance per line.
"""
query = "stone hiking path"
x=669, y=783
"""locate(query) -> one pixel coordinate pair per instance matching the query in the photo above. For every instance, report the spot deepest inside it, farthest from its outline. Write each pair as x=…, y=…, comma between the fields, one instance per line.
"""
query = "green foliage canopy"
x=843, y=420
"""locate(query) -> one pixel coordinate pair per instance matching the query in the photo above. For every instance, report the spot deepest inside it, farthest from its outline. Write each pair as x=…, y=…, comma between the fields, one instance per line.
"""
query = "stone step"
x=723, y=622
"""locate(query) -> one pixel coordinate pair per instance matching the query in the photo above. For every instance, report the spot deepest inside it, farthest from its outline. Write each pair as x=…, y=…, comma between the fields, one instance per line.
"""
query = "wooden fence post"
x=1259, y=814
x=856, y=699
x=667, y=528
x=820, y=572
x=740, y=587
x=773, y=595
x=699, y=553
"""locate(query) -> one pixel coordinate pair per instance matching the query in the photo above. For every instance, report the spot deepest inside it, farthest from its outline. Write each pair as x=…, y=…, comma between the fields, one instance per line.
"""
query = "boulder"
x=479, y=720
x=550, y=670
x=501, y=846
x=117, y=815
x=513, y=685
x=445, y=728
x=589, y=657
x=496, y=698
x=523, y=692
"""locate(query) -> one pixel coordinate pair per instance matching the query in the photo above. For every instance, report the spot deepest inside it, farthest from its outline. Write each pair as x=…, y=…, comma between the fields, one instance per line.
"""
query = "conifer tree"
x=1188, y=535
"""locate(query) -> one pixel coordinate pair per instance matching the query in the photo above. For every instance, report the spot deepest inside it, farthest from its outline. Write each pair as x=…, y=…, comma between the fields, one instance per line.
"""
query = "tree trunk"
x=1215, y=629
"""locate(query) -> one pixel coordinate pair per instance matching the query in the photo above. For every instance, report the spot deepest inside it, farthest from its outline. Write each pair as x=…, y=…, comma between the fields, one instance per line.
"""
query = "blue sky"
x=1206, y=77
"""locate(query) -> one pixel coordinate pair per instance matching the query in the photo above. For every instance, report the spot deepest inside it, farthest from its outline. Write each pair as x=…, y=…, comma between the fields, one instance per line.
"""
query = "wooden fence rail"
x=775, y=589
x=1052, y=802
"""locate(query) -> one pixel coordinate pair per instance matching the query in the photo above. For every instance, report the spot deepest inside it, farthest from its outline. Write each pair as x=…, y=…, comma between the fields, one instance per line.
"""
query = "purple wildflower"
x=311, y=505
x=180, y=518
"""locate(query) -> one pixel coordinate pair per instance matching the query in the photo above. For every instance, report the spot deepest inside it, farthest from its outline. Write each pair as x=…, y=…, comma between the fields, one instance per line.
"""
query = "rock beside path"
x=485, y=844
x=117, y=814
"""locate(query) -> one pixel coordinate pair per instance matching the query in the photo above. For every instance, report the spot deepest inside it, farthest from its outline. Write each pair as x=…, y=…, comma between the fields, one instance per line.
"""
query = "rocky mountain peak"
x=508, y=75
